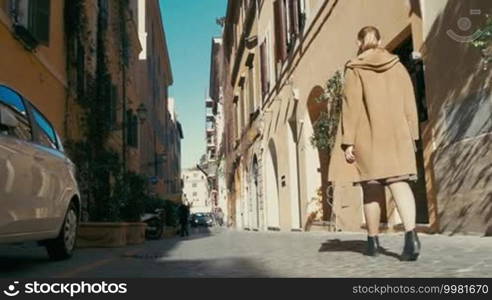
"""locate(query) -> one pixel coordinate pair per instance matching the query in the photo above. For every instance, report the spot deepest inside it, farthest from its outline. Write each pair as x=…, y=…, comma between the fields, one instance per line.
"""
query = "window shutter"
x=280, y=30
x=113, y=106
x=251, y=92
x=264, y=70
x=39, y=20
x=128, y=126
x=135, y=131
x=294, y=16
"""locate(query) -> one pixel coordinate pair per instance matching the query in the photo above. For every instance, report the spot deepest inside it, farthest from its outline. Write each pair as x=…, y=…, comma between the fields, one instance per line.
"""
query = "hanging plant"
x=325, y=128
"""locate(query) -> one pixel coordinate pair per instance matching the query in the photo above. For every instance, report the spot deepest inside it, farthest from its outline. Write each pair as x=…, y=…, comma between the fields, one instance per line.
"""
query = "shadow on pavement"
x=358, y=246
x=10, y=264
x=28, y=259
x=228, y=267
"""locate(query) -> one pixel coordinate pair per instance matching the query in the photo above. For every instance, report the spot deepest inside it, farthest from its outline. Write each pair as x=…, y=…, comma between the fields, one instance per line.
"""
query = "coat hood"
x=378, y=60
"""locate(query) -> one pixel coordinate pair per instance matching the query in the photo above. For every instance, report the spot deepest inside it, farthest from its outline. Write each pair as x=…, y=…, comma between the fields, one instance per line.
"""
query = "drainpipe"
x=123, y=72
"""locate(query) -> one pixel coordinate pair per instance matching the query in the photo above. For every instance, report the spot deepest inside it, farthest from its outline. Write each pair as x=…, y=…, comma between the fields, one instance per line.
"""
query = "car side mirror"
x=7, y=118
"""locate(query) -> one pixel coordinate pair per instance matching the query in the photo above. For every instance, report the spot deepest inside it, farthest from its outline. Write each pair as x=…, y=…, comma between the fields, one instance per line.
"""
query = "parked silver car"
x=39, y=197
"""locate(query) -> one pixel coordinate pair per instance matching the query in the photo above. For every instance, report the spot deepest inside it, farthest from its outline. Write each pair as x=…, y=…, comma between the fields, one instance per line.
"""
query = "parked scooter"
x=155, y=224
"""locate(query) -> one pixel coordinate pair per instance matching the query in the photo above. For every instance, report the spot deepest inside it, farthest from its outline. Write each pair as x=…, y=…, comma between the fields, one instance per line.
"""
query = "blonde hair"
x=369, y=38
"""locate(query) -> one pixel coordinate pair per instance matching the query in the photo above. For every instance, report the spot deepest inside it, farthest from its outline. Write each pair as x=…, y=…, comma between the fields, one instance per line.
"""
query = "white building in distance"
x=195, y=191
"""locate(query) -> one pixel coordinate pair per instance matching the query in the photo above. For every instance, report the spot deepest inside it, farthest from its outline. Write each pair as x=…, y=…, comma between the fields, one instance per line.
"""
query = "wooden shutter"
x=135, y=131
x=280, y=30
x=113, y=106
x=264, y=69
x=39, y=20
x=128, y=126
x=294, y=16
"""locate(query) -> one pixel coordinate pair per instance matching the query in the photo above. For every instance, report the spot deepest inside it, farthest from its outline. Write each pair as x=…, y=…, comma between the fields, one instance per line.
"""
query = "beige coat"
x=379, y=118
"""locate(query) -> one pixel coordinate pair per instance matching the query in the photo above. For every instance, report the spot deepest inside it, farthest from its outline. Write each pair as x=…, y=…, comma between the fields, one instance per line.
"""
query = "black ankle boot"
x=411, y=250
x=372, y=246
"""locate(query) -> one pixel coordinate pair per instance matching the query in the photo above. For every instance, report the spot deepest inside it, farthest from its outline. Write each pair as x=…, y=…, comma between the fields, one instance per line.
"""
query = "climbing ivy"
x=100, y=173
x=325, y=128
x=484, y=42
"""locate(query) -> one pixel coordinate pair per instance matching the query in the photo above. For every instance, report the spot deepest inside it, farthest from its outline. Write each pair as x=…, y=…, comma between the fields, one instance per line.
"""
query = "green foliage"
x=152, y=203
x=325, y=128
x=132, y=192
x=484, y=41
x=171, y=210
x=333, y=91
x=109, y=193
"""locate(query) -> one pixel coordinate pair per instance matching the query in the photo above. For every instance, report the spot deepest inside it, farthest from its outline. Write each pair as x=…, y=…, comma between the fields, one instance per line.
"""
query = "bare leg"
x=373, y=196
x=405, y=203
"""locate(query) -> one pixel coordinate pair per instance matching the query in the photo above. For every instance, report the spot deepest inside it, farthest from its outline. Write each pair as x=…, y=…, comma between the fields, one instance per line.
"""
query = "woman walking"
x=378, y=134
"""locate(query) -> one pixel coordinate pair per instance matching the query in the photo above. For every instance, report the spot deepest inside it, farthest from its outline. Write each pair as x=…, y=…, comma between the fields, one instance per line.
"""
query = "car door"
x=18, y=210
x=54, y=182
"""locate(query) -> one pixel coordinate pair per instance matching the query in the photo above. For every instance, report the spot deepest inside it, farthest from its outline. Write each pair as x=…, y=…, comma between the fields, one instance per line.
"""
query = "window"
x=264, y=67
x=280, y=30
x=193, y=185
x=237, y=119
x=242, y=109
x=131, y=129
x=47, y=136
x=31, y=21
x=195, y=194
x=251, y=93
x=39, y=20
x=113, y=107
x=11, y=101
x=289, y=21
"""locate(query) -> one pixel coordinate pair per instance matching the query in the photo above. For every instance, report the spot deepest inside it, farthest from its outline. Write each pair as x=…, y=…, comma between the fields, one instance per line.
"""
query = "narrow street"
x=228, y=253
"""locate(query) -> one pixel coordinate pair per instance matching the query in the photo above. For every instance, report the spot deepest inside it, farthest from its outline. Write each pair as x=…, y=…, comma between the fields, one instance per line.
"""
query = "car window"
x=48, y=135
x=12, y=99
x=12, y=102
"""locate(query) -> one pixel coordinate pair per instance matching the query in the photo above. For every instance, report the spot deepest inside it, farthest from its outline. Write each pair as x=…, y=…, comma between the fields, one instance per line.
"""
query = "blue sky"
x=190, y=26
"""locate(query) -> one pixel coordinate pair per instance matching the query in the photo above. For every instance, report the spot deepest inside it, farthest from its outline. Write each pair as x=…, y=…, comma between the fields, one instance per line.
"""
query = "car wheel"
x=62, y=247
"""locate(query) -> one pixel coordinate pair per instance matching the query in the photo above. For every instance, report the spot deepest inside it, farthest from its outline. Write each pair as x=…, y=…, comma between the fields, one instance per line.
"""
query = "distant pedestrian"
x=183, y=216
x=376, y=143
x=220, y=217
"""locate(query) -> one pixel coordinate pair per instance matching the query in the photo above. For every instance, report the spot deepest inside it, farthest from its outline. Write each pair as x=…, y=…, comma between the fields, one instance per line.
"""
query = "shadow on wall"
x=460, y=105
x=315, y=110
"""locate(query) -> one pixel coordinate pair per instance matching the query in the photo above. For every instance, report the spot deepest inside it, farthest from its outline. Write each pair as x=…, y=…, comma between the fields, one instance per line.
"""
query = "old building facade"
x=100, y=72
x=196, y=191
x=154, y=78
x=278, y=56
x=33, y=55
x=174, y=135
x=214, y=129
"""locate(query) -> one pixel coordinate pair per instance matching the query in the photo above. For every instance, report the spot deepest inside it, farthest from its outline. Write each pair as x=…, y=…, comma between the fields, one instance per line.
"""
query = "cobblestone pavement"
x=229, y=253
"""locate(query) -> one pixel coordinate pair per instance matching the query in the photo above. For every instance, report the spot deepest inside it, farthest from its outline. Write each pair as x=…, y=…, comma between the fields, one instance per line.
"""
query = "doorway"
x=255, y=213
x=416, y=70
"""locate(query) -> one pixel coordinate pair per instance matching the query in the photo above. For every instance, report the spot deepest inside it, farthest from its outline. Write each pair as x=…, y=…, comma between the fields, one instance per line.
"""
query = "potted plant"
x=171, y=221
x=103, y=190
x=119, y=222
